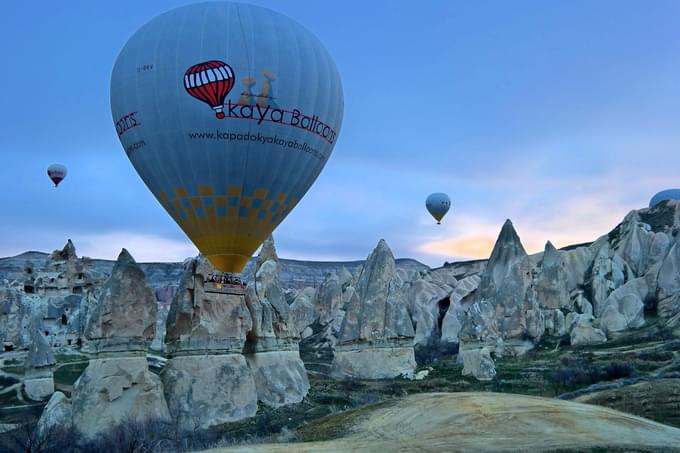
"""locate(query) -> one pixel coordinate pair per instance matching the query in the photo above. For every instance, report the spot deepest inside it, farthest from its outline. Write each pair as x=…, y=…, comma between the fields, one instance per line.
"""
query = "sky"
x=562, y=116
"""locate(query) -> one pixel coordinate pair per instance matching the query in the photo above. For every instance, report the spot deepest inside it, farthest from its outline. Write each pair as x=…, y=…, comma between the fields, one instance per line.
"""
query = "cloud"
x=572, y=220
x=143, y=247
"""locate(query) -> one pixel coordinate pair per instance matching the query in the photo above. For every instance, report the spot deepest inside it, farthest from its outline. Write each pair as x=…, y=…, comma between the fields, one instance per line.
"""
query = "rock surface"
x=115, y=389
x=302, y=312
x=123, y=318
x=624, y=308
x=206, y=379
x=585, y=333
x=478, y=363
x=502, y=317
x=272, y=346
x=376, y=324
x=551, y=286
x=39, y=354
x=280, y=377
x=208, y=390
x=201, y=321
x=38, y=377
x=108, y=392
x=57, y=413
x=370, y=362
x=452, y=323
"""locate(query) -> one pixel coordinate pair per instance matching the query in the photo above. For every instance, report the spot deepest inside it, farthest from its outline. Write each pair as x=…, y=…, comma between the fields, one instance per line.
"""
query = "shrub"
x=617, y=370
x=27, y=438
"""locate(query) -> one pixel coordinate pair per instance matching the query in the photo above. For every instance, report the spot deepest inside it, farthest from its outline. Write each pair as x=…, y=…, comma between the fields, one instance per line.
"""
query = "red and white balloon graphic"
x=210, y=82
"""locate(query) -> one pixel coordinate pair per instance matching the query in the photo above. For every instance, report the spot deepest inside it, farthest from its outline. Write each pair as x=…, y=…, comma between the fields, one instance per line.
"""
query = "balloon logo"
x=210, y=82
x=438, y=205
x=56, y=173
x=227, y=176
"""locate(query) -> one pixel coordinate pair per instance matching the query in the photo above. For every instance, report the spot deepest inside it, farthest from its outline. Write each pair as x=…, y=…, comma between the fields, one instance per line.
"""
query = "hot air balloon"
x=438, y=205
x=57, y=173
x=228, y=112
x=669, y=194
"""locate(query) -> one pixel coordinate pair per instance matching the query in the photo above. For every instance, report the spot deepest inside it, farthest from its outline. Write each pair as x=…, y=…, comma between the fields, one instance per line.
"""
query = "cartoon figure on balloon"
x=211, y=82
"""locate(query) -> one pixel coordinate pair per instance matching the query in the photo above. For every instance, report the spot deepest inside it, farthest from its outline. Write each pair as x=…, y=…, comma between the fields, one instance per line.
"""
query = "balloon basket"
x=224, y=283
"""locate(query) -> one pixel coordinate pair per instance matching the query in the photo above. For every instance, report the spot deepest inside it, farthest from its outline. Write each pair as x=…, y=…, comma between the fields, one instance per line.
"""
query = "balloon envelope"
x=438, y=205
x=228, y=112
x=57, y=173
x=670, y=194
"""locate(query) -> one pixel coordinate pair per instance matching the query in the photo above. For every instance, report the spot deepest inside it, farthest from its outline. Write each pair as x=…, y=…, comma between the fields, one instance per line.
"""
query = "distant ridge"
x=294, y=273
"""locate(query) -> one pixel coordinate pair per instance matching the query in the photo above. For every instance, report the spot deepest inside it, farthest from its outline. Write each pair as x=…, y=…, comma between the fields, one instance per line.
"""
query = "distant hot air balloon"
x=669, y=194
x=228, y=176
x=57, y=173
x=438, y=205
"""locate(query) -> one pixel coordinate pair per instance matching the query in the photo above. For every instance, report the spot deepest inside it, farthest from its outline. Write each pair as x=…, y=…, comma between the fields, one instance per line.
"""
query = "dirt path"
x=476, y=422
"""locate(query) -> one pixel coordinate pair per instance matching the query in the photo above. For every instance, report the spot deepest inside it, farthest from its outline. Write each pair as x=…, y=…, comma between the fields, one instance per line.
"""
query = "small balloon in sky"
x=669, y=194
x=57, y=173
x=438, y=205
x=228, y=112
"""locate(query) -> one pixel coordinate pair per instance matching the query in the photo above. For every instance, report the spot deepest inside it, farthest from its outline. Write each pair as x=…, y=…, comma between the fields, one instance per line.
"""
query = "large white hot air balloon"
x=228, y=112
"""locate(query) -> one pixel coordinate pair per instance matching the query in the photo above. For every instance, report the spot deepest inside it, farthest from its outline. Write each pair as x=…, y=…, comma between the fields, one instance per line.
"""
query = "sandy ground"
x=476, y=422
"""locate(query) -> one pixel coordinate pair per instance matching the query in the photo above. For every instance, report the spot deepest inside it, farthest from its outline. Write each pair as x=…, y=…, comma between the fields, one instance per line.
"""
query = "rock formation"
x=455, y=315
x=113, y=390
x=117, y=384
x=624, y=308
x=57, y=413
x=272, y=346
x=376, y=328
x=477, y=362
x=302, y=313
x=38, y=377
x=428, y=302
x=51, y=297
x=123, y=318
x=585, y=333
x=551, y=285
x=505, y=316
x=207, y=380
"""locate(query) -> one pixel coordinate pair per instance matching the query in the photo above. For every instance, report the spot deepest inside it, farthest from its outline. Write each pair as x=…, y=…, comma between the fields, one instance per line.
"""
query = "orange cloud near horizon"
x=576, y=220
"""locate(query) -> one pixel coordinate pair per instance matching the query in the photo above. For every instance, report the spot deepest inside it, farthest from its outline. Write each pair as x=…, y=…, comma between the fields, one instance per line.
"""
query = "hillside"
x=435, y=422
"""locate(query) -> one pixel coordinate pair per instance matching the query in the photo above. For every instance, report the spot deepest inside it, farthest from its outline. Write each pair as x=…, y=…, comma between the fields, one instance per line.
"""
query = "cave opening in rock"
x=64, y=320
x=443, y=306
x=9, y=347
x=28, y=289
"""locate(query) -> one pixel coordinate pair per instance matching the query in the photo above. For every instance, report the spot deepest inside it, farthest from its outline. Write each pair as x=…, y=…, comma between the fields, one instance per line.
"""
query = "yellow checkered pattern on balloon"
x=227, y=225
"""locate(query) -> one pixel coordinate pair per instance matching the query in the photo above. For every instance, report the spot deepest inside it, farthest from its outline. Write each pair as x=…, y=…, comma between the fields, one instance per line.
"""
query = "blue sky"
x=562, y=116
